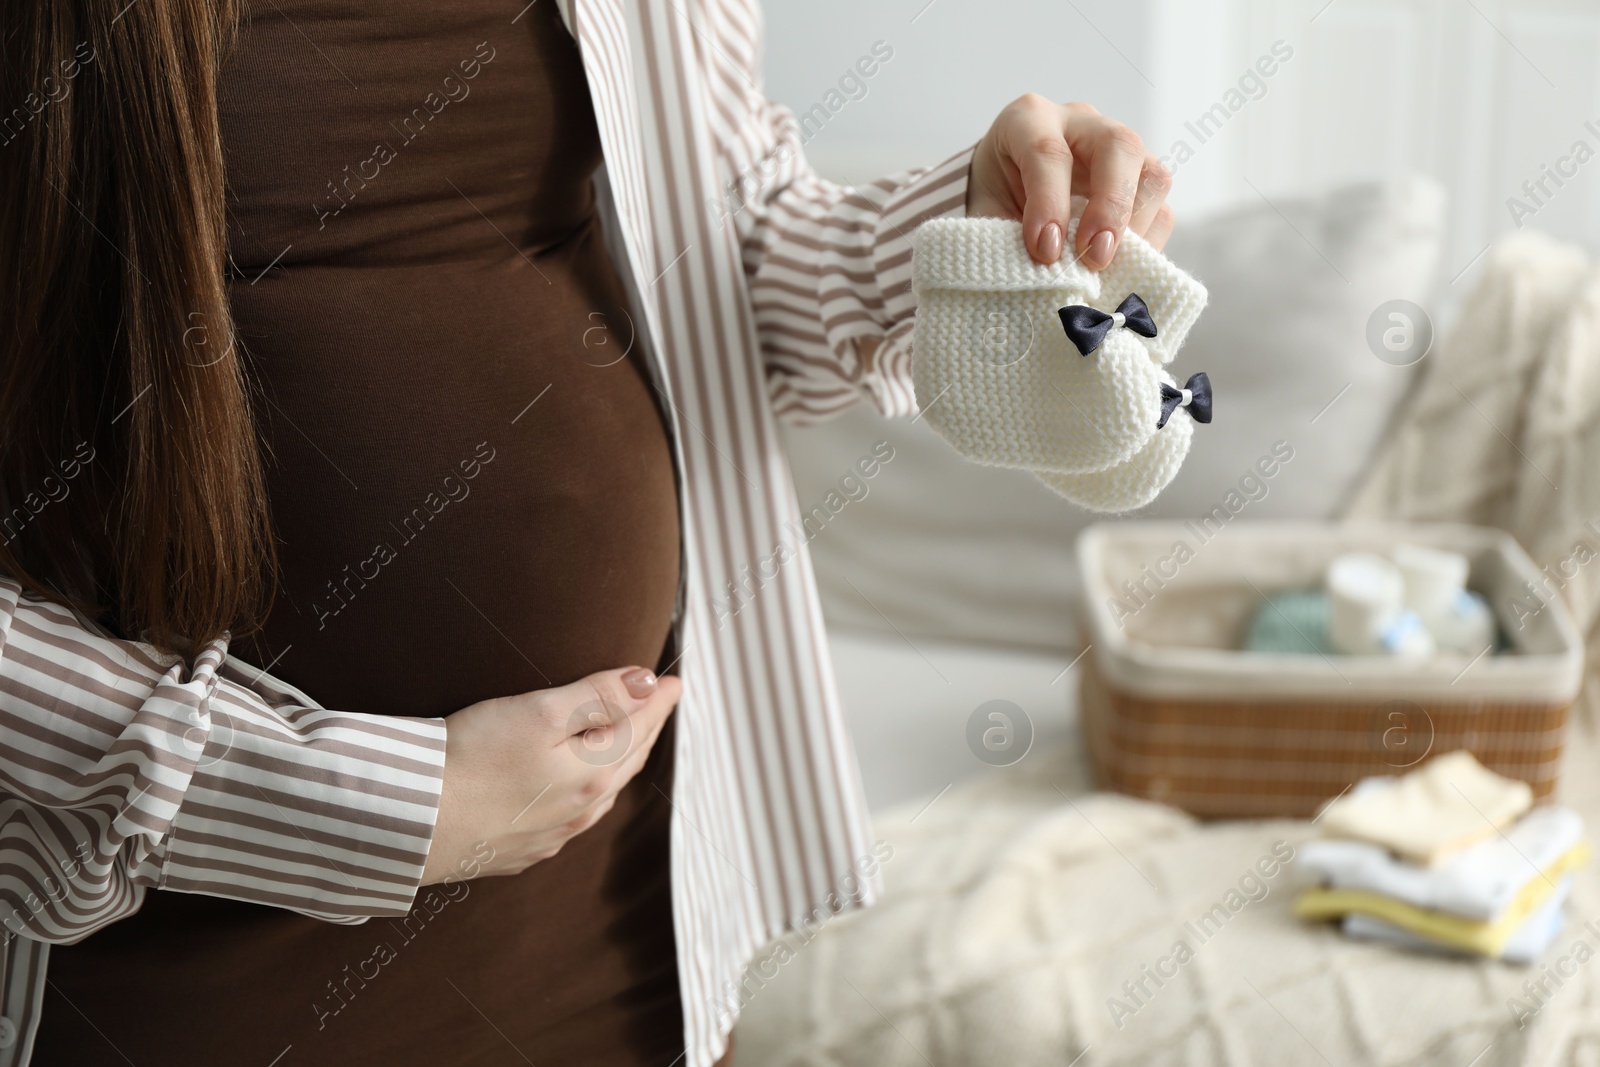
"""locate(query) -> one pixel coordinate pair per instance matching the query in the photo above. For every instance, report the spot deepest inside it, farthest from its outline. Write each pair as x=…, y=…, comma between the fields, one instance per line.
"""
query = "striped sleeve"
x=122, y=770
x=829, y=265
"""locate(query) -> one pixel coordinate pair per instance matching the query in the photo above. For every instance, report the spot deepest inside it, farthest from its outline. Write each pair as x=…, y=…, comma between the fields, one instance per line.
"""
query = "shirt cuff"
x=327, y=813
x=939, y=192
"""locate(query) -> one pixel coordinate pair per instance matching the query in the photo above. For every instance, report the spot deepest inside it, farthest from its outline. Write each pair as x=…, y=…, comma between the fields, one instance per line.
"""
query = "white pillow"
x=949, y=549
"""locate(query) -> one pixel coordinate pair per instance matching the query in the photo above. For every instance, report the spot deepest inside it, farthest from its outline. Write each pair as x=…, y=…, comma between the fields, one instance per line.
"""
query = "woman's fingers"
x=608, y=750
x=1154, y=181
x=599, y=793
x=608, y=702
x=597, y=725
x=1115, y=156
x=525, y=773
x=645, y=721
x=1160, y=228
x=1038, y=155
x=634, y=762
x=1036, y=145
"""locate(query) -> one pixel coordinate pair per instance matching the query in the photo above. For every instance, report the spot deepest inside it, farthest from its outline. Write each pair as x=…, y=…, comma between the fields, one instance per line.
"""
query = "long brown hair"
x=130, y=470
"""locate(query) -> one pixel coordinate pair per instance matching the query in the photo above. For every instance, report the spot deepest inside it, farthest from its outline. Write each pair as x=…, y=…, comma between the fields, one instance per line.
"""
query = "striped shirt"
x=755, y=283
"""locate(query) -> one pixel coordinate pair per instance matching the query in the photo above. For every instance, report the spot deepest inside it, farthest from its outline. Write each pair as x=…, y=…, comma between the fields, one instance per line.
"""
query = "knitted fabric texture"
x=998, y=378
x=1136, y=481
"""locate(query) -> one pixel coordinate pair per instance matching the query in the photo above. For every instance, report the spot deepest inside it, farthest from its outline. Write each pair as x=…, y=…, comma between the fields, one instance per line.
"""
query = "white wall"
x=954, y=67
x=1478, y=93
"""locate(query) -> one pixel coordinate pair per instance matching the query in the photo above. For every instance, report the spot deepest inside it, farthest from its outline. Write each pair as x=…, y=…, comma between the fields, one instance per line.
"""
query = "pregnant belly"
x=471, y=484
x=472, y=501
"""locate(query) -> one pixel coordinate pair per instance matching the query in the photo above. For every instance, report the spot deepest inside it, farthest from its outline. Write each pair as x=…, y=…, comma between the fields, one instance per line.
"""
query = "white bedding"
x=1018, y=904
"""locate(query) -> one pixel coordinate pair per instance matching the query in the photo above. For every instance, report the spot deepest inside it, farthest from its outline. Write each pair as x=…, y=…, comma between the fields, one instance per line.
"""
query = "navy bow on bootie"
x=1195, y=395
x=1086, y=326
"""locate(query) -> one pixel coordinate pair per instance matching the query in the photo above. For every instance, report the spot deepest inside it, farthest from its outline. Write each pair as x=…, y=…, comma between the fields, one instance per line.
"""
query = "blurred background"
x=1391, y=144
x=1394, y=206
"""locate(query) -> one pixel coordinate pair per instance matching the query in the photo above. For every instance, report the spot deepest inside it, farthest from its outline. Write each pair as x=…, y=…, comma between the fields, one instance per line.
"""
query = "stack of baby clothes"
x=1448, y=857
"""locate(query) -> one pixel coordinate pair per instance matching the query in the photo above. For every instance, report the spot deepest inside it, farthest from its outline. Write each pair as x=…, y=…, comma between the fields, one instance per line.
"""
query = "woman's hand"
x=523, y=775
x=1039, y=153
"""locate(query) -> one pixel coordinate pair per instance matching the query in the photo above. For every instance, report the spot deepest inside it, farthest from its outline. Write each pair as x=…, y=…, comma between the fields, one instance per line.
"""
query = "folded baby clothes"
x=1526, y=944
x=1498, y=896
x=1520, y=893
x=1451, y=801
x=1452, y=931
x=1056, y=368
x=1478, y=882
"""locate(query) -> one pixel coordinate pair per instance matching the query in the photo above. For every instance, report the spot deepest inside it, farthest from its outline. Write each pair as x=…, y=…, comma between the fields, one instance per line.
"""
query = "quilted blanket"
x=1027, y=924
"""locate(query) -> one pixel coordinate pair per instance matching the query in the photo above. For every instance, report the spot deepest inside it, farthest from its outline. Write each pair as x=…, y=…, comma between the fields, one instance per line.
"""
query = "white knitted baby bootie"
x=1173, y=298
x=1136, y=482
x=1056, y=369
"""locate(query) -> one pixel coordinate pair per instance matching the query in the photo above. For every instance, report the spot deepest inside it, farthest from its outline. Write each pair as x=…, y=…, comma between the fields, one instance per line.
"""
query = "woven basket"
x=1172, y=712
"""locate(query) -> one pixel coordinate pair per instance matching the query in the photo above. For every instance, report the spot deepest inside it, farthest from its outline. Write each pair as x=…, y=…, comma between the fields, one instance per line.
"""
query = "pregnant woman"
x=387, y=400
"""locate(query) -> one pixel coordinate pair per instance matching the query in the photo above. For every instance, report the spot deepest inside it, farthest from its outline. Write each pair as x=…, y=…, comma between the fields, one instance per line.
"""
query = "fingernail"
x=1098, y=253
x=640, y=682
x=1050, y=242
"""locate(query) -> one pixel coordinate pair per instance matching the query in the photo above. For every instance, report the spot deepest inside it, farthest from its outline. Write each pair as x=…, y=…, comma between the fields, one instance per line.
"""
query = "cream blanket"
x=1028, y=922
x=1015, y=922
x=1505, y=428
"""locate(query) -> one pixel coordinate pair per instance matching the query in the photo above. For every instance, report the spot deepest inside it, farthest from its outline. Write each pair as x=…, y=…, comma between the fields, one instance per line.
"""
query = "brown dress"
x=474, y=494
